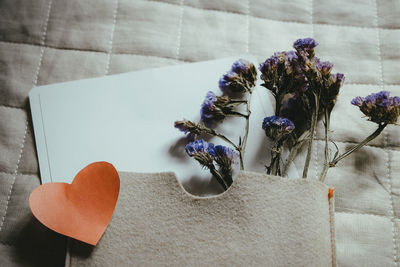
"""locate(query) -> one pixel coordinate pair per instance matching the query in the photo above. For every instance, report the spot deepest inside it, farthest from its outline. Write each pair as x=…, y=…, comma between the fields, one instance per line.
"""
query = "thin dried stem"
x=326, y=158
x=246, y=134
x=276, y=155
x=357, y=147
x=312, y=133
x=292, y=156
x=218, y=176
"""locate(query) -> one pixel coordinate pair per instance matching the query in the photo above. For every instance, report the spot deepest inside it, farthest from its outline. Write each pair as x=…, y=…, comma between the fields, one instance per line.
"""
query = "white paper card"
x=128, y=120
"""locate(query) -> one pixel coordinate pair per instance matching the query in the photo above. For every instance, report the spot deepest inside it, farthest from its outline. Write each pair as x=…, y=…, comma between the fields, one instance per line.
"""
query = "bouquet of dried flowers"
x=305, y=90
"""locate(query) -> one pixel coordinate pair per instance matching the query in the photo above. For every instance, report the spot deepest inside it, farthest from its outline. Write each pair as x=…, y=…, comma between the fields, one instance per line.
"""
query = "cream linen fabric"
x=46, y=41
x=260, y=221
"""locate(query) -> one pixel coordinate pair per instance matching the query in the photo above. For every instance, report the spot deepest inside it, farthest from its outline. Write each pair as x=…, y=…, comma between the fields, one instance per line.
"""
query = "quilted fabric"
x=47, y=41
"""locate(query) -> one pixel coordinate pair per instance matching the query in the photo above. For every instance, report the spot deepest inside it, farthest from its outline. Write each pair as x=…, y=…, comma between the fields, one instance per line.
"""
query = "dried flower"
x=277, y=127
x=305, y=47
x=294, y=109
x=282, y=73
x=379, y=107
x=187, y=126
x=224, y=152
x=200, y=150
x=324, y=67
x=192, y=128
x=216, y=108
x=241, y=78
x=330, y=91
x=213, y=107
x=224, y=157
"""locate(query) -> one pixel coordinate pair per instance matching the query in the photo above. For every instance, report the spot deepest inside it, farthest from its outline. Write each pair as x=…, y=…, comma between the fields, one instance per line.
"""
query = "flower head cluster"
x=214, y=107
x=223, y=153
x=324, y=67
x=300, y=75
x=206, y=153
x=305, y=47
x=332, y=84
x=241, y=78
x=192, y=129
x=277, y=128
x=200, y=150
x=379, y=107
x=282, y=73
x=186, y=126
x=225, y=157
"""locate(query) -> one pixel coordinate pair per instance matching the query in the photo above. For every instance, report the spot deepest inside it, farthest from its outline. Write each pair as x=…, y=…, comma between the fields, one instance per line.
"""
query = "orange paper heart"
x=83, y=209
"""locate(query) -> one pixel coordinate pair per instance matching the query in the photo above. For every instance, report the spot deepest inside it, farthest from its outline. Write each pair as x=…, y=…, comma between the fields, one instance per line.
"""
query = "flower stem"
x=314, y=120
x=276, y=155
x=246, y=134
x=234, y=101
x=326, y=158
x=234, y=113
x=226, y=139
x=357, y=147
x=218, y=176
x=292, y=156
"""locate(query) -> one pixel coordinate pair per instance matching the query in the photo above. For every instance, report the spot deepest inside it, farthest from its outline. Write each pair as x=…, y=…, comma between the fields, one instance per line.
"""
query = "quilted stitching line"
x=150, y=56
x=92, y=51
x=362, y=213
x=248, y=27
x=371, y=84
x=42, y=41
x=11, y=107
x=385, y=140
x=391, y=211
x=109, y=53
x=312, y=17
x=20, y=173
x=277, y=20
x=180, y=23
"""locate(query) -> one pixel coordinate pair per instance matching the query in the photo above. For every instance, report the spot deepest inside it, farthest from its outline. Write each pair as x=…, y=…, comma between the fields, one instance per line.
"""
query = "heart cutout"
x=83, y=209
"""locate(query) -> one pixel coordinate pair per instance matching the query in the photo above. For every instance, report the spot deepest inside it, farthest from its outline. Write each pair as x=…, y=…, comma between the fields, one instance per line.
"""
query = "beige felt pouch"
x=260, y=220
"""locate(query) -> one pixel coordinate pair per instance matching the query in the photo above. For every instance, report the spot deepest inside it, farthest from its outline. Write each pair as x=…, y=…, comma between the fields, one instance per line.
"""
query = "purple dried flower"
x=291, y=55
x=331, y=87
x=270, y=65
x=223, y=152
x=198, y=146
x=224, y=157
x=282, y=73
x=241, y=78
x=213, y=107
x=339, y=78
x=200, y=150
x=185, y=126
x=240, y=66
x=305, y=50
x=379, y=107
x=277, y=127
x=357, y=101
x=192, y=129
x=305, y=44
x=324, y=67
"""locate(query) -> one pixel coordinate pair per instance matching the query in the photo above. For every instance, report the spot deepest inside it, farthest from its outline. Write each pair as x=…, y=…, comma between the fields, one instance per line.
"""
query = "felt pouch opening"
x=261, y=220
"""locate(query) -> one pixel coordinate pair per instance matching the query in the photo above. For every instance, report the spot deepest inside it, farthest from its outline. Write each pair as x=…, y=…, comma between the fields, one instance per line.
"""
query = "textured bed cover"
x=48, y=41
